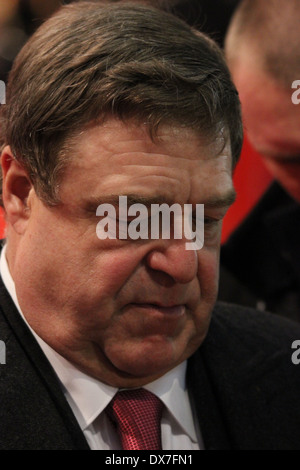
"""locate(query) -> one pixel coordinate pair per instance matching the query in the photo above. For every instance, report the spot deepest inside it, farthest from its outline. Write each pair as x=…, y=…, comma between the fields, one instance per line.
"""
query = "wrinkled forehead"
x=114, y=134
x=120, y=158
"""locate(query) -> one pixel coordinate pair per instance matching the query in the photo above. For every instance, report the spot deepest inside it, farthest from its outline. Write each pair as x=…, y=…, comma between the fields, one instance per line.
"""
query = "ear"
x=16, y=187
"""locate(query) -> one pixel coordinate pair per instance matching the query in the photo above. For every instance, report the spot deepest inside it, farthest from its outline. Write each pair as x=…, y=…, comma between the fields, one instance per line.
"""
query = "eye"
x=209, y=221
x=212, y=227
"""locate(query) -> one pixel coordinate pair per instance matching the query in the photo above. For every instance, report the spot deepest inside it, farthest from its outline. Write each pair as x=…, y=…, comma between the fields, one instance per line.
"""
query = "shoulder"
x=246, y=364
x=263, y=325
x=245, y=342
x=36, y=414
x=252, y=330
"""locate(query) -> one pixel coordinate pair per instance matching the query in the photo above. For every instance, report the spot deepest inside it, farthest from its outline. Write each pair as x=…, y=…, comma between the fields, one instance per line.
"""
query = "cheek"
x=73, y=267
x=208, y=273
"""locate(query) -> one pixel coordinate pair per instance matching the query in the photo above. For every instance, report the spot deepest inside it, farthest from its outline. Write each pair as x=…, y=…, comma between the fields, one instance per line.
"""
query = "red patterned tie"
x=137, y=415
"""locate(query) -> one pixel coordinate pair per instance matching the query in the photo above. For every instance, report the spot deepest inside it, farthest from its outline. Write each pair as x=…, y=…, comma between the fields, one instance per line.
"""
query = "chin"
x=149, y=361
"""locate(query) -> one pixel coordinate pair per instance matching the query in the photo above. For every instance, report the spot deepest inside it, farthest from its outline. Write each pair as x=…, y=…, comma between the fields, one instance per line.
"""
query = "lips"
x=174, y=310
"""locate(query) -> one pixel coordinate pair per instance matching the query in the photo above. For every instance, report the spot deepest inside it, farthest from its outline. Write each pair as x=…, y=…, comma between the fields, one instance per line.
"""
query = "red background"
x=251, y=179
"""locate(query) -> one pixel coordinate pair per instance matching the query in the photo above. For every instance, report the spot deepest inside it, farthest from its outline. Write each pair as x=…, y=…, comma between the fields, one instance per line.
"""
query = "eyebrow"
x=113, y=199
x=225, y=200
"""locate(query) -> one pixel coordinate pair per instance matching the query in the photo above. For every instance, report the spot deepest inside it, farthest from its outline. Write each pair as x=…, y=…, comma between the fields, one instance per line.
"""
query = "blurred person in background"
x=209, y=16
x=263, y=52
x=12, y=34
x=18, y=20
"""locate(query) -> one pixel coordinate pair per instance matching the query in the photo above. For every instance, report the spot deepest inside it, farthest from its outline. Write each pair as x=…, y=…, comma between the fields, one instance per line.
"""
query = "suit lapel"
x=206, y=406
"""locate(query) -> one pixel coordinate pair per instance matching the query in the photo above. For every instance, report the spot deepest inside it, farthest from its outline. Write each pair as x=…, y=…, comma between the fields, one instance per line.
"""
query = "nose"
x=172, y=257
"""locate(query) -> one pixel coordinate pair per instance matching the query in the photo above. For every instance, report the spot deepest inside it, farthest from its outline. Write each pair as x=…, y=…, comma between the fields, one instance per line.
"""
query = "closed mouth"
x=167, y=309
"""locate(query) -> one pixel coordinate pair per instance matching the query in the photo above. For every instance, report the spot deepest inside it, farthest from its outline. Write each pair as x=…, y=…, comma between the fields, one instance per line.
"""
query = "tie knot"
x=137, y=415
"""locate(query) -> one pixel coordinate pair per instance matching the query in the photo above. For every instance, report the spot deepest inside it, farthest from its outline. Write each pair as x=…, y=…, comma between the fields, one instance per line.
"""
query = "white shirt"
x=89, y=397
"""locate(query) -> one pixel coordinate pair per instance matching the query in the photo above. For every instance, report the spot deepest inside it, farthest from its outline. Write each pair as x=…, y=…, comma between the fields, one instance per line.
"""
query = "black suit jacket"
x=242, y=383
x=260, y=263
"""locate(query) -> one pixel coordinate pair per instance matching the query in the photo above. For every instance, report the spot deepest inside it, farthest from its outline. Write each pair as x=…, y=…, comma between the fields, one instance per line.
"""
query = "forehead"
x=122, y=157
x=271, y=118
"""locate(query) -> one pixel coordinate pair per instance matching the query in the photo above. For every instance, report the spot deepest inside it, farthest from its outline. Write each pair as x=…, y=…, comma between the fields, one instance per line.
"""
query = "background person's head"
x=106, y=101
x=263, y=52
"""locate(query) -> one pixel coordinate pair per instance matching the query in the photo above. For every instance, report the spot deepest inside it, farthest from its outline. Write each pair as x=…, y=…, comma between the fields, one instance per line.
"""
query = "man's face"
x=124, y=311
x=272, y=123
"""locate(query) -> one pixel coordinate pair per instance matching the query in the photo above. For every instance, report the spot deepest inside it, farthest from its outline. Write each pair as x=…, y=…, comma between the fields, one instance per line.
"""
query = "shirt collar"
x=171, y=389
x=88, y=397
